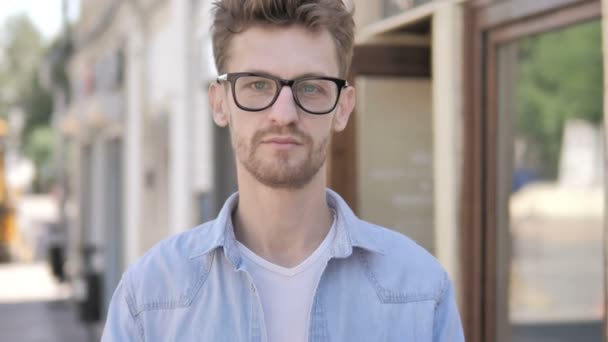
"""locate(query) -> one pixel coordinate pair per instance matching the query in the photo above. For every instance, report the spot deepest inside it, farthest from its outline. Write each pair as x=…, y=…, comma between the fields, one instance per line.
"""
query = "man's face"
x=282, y=146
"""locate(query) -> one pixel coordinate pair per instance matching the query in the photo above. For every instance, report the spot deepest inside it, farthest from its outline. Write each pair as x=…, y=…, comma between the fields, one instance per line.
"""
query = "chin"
x=278, y=176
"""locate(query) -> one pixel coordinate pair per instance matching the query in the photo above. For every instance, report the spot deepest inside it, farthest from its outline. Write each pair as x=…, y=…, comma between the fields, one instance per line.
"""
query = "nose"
x=285, y=110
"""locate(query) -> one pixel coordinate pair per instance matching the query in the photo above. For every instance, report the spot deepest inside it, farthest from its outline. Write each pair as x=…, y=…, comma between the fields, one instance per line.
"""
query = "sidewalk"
x=41, y=322
x=34, y=307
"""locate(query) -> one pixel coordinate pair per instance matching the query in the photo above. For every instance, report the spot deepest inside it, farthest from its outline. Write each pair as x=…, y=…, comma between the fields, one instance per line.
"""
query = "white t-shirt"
x=287, y=293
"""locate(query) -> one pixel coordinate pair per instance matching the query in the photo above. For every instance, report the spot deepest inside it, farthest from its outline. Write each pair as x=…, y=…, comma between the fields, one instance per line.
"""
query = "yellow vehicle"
x=9, y=234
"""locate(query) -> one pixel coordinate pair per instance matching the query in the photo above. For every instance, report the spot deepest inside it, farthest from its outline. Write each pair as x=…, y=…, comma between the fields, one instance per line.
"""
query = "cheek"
x=241, y=129
x=323, y=128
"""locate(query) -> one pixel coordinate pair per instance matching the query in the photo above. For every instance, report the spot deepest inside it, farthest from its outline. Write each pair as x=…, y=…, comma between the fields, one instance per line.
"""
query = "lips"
x=281, y=141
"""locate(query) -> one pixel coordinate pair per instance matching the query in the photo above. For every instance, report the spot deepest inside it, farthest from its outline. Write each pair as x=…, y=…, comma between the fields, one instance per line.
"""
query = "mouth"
x=281, y=141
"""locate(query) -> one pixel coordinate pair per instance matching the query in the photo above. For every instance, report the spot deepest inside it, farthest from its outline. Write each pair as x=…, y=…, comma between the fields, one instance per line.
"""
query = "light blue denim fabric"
x=378, y=286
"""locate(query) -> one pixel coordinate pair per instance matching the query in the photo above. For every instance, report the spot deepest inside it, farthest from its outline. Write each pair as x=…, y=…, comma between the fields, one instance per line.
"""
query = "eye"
x=309, y=88
x=260, y=85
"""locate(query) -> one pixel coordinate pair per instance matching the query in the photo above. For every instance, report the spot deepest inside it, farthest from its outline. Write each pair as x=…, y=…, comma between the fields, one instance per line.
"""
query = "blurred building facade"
x=493, y=158
x=138, y=136
x=439, y=147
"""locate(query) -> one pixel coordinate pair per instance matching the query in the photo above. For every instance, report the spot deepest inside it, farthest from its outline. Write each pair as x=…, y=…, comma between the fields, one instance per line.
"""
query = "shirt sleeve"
x=120, y=324
x=447, y=325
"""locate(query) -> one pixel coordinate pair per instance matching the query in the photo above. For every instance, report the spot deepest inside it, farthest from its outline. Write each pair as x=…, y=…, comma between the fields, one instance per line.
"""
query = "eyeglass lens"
x=314, y=95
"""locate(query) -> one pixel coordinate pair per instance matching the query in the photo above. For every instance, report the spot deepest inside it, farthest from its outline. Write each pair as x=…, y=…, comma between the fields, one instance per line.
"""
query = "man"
x=286, y=259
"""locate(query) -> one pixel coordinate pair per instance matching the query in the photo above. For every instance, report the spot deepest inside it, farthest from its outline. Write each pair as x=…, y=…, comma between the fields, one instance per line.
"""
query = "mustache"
x=290, y=130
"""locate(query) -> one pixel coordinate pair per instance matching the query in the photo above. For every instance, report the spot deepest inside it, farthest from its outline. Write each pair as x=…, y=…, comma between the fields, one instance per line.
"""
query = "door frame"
x=489, y=24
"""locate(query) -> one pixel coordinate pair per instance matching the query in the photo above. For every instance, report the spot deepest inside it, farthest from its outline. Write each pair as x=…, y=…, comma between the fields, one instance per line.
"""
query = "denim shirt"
x=377, y=286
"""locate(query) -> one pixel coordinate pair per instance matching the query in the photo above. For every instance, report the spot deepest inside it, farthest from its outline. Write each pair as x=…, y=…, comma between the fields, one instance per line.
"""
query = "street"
x=34, y=307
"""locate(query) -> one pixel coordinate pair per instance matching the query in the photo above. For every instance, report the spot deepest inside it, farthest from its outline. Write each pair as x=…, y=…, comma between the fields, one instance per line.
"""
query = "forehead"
x=287, y=52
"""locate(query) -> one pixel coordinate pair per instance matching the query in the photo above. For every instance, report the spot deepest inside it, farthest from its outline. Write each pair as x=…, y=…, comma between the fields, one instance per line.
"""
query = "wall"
x=396, y=155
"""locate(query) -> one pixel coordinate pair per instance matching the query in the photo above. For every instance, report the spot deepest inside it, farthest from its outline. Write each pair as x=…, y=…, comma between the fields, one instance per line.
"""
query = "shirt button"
x=252, y=287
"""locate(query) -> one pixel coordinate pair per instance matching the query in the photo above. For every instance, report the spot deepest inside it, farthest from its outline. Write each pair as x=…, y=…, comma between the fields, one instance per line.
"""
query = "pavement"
x=558, y=332
x=34, y=307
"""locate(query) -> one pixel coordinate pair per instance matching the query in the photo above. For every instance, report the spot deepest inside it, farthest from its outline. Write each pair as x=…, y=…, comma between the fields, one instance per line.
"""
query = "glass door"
x=549, y=187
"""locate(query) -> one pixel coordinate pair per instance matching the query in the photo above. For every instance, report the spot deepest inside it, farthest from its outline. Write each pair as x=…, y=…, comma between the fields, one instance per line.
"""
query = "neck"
x=282, y=226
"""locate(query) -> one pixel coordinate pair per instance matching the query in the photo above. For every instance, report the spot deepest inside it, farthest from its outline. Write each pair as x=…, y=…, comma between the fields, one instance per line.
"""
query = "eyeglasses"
x=255, y=92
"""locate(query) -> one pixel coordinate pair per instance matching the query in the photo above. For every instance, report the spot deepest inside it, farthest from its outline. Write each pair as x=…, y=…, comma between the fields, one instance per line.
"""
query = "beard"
x=283, y=169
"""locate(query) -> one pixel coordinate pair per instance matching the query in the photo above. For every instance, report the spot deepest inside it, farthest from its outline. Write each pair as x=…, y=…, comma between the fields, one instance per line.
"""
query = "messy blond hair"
x=234, y=16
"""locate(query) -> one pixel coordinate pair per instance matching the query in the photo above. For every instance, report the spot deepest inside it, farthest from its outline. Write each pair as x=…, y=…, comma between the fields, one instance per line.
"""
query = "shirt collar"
x=350, y=232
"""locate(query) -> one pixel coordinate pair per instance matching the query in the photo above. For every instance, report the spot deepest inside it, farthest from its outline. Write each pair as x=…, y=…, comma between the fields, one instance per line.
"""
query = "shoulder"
x=169, y=275
x=402, y=270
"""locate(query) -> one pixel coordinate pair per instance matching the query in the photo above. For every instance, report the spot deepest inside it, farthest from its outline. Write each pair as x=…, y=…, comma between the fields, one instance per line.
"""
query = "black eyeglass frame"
x=234, y=76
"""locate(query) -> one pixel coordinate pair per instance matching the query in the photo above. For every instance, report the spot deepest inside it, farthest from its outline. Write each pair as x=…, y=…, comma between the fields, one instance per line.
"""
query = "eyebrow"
x=307, y=74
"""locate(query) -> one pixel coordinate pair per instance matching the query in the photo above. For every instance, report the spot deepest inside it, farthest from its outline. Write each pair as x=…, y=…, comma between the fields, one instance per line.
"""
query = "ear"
x=346, y=104
x=217, y=102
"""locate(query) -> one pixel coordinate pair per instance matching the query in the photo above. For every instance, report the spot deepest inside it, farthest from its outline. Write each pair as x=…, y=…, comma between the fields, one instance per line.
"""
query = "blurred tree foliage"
x=21, y=52
x=560, y=77
x=21, y=49
x=39, y=148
